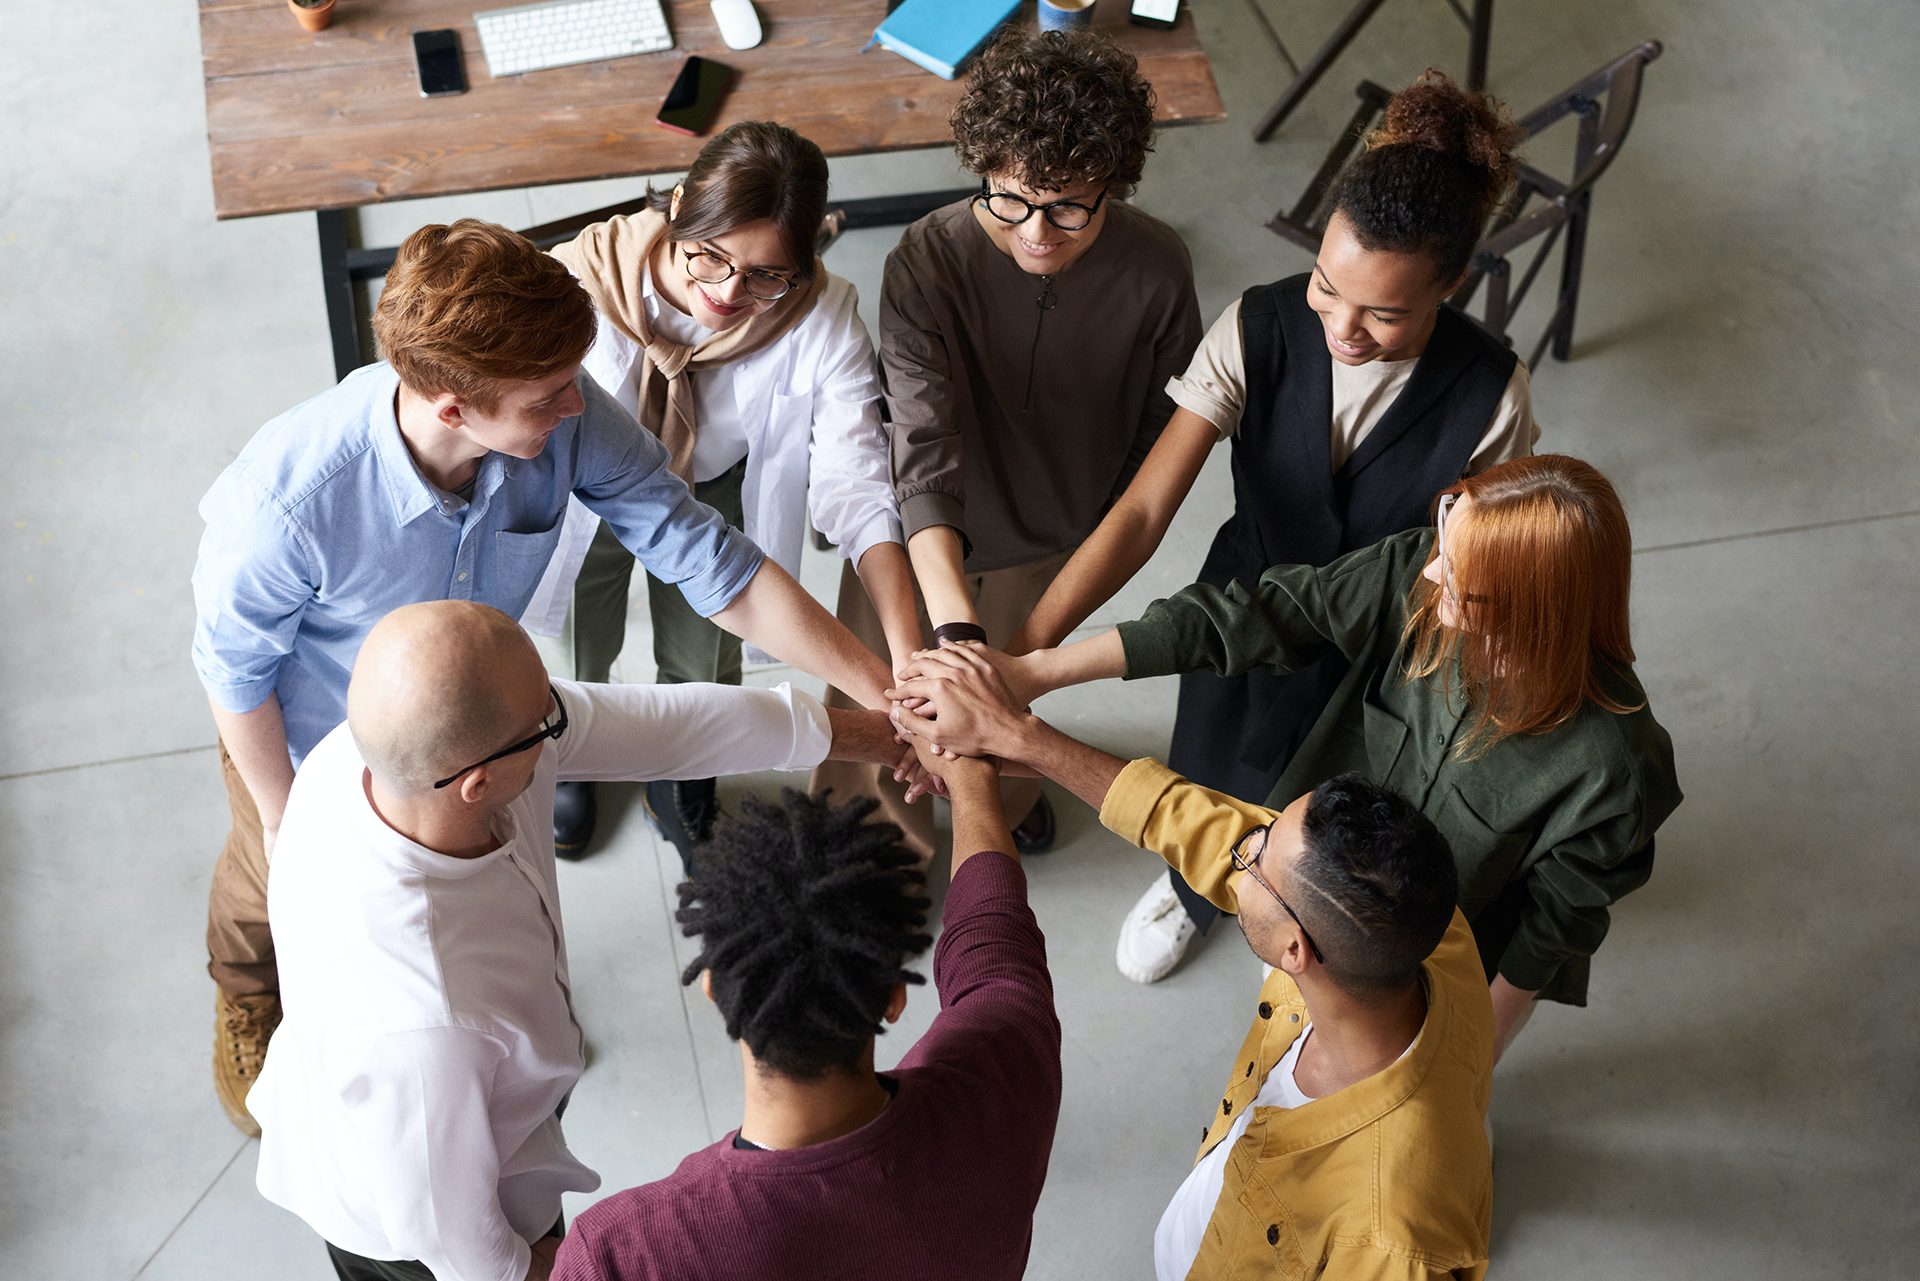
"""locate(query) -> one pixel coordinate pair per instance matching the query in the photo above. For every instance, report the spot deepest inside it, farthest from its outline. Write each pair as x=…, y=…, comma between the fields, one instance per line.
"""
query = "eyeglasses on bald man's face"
x=553, y=726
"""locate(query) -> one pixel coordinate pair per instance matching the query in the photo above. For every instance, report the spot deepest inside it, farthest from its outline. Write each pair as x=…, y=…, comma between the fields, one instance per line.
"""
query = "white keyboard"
x=533, y=37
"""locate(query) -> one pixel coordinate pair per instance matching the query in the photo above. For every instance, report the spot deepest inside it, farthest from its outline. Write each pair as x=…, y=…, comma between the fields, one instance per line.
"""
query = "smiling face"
x=1374, y=305
x=753, y=247
x=1036, y=245
x=527, y=414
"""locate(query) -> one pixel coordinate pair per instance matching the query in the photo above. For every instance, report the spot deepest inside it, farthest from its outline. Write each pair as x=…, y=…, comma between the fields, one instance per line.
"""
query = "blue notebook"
x=942, y=34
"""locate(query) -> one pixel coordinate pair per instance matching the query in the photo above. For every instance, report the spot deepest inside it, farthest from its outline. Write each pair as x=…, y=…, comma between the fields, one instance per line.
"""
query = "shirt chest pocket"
x=1488, y=858
x=519, y=560
x=1268, y=1243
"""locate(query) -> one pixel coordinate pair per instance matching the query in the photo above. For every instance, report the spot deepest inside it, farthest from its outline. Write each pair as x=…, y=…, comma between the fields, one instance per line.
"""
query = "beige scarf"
x=610, y=258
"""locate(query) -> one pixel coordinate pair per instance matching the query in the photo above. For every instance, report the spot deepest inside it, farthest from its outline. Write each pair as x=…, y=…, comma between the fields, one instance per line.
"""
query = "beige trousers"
x=1002, y=598
x=239, y=944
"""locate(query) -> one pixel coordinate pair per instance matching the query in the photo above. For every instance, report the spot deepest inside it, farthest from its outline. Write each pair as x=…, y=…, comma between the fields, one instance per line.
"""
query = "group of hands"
x=957, y=708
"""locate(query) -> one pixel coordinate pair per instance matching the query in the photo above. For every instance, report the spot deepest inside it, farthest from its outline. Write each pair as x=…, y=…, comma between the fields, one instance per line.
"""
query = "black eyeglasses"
x=1064, y=214
x=547, y=731
x=1240, y=861
x=711, y=269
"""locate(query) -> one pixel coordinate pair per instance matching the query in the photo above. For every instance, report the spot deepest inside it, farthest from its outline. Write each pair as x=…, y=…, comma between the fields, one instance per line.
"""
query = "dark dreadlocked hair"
x=807, y=915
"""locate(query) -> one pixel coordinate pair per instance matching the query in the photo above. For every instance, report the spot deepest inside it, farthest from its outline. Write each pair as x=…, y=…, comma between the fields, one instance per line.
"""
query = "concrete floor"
x=1738, y=1101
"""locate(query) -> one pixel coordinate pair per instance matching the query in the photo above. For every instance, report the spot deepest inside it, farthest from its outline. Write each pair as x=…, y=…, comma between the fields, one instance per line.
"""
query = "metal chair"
x=1479, y=26
x=1564, y=206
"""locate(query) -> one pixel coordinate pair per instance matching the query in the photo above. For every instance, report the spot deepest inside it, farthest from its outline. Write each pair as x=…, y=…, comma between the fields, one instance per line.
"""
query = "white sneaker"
x=1155, y=934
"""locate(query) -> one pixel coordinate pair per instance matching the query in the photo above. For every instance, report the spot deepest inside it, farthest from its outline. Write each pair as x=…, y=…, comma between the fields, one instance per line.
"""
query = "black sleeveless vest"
x=1292, y=508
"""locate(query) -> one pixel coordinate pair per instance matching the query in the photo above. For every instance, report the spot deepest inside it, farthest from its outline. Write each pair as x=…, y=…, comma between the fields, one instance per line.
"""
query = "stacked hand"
x=962, y=700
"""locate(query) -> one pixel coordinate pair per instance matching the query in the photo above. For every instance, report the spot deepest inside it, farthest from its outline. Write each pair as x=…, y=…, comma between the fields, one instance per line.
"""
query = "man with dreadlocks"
x=807, y=916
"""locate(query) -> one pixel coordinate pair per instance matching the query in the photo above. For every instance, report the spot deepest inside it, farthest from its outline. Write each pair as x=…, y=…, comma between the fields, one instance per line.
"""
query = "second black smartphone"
x=1161, y=15
x=437, y=55
x=695, y=96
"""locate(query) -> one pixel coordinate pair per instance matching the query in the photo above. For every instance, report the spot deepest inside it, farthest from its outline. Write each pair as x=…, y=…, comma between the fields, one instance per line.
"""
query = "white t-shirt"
x=407, y=1104
x=1215, y=388
x=1176, y=1242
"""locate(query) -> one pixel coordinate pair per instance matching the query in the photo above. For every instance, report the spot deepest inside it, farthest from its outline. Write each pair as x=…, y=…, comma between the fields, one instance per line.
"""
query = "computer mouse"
x=739, y=24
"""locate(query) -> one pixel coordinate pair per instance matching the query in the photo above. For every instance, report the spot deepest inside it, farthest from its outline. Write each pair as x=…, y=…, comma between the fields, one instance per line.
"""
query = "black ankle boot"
x=683, y=811
x=573, y=814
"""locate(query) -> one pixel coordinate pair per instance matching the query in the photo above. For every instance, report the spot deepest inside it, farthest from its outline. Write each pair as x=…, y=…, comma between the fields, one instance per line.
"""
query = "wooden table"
x=334, y=120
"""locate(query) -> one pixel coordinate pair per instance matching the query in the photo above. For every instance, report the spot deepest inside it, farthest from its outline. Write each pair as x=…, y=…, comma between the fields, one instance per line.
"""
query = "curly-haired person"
x=1027, y=337
x=807, y=916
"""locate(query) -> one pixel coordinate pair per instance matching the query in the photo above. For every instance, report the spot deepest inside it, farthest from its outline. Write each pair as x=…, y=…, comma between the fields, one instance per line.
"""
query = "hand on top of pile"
x=961, y=700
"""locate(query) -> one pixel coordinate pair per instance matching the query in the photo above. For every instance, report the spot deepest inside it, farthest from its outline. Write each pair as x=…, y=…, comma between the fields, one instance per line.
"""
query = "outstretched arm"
x=1126, y=538
x=776, y=614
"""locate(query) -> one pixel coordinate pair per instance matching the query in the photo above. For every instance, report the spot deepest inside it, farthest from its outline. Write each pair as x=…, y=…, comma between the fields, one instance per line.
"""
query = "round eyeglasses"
x=711, y=269
x=1014, y=210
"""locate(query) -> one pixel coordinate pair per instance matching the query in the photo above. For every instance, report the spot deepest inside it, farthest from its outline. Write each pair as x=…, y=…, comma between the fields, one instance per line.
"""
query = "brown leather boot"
x=241, y=1029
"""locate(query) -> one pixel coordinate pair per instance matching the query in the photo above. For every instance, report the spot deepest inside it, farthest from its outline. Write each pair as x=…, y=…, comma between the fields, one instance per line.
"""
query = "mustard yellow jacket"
x=1389, y=1178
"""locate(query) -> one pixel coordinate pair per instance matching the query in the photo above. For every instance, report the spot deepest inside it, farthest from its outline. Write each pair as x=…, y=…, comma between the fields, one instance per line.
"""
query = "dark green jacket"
x=1548, y=829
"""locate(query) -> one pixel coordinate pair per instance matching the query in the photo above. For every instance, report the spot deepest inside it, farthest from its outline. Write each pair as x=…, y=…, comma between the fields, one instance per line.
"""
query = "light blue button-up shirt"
x=323, y=525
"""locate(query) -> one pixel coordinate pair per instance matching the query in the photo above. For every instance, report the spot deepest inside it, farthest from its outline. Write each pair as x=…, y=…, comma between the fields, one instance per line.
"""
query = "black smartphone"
x=695, y=96
x=1158, y=14
x=437, y=55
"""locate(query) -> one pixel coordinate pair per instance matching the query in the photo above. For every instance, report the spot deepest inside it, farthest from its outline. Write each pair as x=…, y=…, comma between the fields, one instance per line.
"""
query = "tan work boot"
x=241, y=1029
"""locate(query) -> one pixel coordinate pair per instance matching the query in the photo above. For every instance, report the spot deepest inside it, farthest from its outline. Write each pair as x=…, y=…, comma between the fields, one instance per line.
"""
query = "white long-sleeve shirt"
x=407, y=1105
x=804, y=412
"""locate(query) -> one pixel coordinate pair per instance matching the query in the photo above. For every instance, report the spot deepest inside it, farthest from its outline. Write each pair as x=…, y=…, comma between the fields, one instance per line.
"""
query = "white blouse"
x=808, y=411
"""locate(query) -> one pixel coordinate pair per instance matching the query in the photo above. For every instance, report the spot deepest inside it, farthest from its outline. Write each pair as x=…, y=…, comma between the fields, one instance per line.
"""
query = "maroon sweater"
x=941, y=1184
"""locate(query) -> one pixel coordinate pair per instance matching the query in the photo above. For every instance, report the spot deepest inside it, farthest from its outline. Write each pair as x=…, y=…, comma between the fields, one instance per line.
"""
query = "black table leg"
x=343, y=321
x=1479, y=33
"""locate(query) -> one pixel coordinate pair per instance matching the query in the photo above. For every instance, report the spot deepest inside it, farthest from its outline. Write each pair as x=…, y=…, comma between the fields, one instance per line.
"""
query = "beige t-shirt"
x=1215, y=388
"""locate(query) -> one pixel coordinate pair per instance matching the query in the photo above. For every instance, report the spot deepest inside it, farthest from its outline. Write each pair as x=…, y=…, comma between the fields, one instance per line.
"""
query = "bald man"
x=410, y=1103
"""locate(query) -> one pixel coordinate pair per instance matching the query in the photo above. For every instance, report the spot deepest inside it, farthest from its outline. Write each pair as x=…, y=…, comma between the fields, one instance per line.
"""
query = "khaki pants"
x=1002, y=598
x=239, y=945
x=686, y=646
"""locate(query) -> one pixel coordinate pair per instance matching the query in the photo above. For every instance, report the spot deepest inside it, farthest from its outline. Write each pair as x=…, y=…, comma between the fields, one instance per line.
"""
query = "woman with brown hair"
x=1350, y=395
x=721, y=331
x=1487, y=677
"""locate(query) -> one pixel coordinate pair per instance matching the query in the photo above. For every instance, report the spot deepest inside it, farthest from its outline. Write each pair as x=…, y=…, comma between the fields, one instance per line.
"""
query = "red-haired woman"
x=1490, y=681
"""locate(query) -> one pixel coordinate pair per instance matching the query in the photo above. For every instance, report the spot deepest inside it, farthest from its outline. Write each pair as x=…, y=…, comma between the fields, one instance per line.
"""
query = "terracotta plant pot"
x=314, y=18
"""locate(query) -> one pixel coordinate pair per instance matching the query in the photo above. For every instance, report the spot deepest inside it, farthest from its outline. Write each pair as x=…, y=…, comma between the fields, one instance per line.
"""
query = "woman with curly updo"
x=1027, y=337
x=1352, y=395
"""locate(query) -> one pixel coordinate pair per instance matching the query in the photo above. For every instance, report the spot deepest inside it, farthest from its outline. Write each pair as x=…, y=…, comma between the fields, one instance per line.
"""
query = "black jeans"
x=349, y=1266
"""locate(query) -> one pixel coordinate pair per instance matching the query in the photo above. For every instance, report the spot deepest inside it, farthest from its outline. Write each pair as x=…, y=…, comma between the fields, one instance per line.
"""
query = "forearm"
x=1085, y=771
x=1101, y=657
x=1127, y=538
x=775, y=613
x=940, y=565
x=887, y=576
x=1104, y=564
x=979, y=820
x=862, y=736
x=1510, y=1005
x=257, y=742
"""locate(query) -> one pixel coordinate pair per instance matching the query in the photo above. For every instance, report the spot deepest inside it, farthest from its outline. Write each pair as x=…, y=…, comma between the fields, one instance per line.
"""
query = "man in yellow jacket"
x=1349, y=1140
